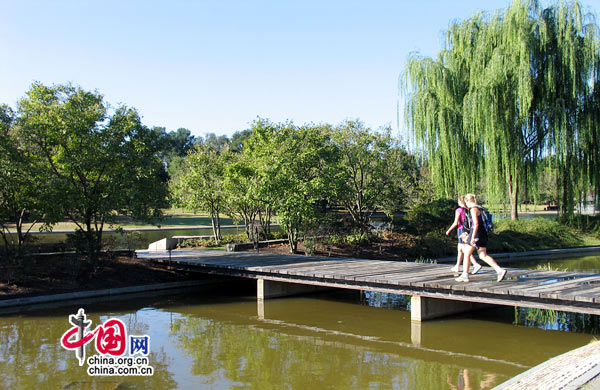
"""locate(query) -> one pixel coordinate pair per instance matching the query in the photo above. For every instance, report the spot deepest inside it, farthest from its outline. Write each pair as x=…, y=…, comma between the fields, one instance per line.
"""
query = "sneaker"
x=463, y=278
x=454, y=269
x=501, y=275
x=476, y=268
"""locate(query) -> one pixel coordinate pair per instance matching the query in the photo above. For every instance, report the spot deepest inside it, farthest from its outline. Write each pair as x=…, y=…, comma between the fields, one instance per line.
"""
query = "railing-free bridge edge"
x=437, y=293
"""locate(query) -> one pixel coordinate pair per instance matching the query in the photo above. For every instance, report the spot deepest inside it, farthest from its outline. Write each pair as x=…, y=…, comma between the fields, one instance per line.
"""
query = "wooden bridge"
x=433, y=290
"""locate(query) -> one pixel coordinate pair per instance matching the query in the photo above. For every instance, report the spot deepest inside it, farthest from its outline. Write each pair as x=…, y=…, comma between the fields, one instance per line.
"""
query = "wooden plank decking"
x=566, y=291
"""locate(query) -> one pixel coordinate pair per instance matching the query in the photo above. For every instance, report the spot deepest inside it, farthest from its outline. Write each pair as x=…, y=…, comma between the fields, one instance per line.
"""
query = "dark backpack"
x=486, y=217
x=467, y=220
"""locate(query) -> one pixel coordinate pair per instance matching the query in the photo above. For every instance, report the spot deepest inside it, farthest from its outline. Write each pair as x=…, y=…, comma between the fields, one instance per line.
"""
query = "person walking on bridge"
x=477, y=239
x=460, y=217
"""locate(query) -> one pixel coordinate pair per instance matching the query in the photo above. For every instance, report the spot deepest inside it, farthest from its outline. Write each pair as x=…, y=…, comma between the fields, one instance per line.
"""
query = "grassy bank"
x=173, y=218
x=425, y=238
x=538, y=233
x=421, y=235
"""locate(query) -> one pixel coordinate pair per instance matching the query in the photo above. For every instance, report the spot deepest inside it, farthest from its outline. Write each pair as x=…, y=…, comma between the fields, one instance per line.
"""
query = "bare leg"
x=459, y=255
x=459, y=258
x=468, y=251
x=487, y=258
x=490, y=260
x=473, y=261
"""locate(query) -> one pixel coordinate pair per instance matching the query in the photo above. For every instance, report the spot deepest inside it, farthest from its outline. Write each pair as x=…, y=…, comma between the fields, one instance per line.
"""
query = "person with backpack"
x=478, y=239
x=460, y=222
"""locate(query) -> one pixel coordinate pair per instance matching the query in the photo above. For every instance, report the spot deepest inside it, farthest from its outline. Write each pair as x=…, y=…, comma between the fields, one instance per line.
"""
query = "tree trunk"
x=567, y=189
x=219, y=236
x=6, y=242
x=91, y=243
x=98, y=234
x=269, y=215
x=293, y=241
x=247, y=227
x=213, y=222
x=261, y=220
x=20, y=240
x=513, y=194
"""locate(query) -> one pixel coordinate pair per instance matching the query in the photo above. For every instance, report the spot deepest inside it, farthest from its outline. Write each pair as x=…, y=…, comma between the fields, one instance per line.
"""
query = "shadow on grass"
x=512, y=241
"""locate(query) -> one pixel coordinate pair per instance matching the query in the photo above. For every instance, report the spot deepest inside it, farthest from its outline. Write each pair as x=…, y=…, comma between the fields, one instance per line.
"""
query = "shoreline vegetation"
x=418, y=236
x=418, y=233
x=421, y=234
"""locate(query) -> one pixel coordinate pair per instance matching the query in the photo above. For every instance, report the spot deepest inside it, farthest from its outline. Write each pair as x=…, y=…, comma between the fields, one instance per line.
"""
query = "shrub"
x=210, y=243
x=426, y=260
x=586, y=223
x=233, y=238
x=278, y=236
x=434, y=244
x=197, y=242
x=356, y=238
x=432, y=216
x=361, y=239
x=336, y=239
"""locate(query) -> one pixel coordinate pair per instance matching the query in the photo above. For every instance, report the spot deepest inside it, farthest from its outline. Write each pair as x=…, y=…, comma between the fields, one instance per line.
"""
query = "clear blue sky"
x=214, y=66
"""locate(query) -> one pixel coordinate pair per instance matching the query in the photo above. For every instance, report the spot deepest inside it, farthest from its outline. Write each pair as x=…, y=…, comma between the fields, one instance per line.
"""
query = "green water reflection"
x=556, y=320
x=575, y=264
x=146, y=236
x=330, y=341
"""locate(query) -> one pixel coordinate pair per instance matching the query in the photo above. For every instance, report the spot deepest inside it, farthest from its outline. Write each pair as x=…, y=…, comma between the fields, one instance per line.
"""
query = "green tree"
x=373, y=172
x=180, y=142
x=200, y=186
x=217, y=143
x=173, y=147
x=20, y=186
x=237, y=140
x=98, y=165
x=506, y=91
x=241, y=185
x=295, y=166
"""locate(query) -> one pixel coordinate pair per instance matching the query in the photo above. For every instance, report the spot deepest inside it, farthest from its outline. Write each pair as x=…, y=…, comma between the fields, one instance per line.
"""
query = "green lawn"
x=523, y=208
x=174, y=218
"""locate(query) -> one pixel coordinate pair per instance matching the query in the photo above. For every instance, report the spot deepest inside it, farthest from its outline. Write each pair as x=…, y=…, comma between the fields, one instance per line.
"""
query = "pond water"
x=575, y=264
x=145, y=237
x=220, y=338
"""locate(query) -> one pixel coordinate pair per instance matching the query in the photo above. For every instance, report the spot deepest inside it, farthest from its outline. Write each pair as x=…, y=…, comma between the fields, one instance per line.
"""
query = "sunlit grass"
x=173, y=218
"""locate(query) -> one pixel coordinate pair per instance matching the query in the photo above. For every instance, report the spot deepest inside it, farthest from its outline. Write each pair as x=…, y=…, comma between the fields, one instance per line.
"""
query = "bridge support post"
x=260, y=309
x=415, y=332
x=270, y=289
x=424, y=308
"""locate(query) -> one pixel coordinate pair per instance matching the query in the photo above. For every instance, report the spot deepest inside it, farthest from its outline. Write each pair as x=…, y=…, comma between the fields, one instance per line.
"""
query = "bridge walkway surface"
x=426, y=283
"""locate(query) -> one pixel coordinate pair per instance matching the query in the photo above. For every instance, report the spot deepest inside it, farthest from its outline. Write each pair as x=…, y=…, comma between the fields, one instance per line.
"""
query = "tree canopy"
x=372, y=171
x=95, y=165
x=200, y=184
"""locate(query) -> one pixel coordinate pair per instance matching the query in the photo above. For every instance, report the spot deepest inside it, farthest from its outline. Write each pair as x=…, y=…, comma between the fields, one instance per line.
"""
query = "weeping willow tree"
x=506, y=92
x=572, y=94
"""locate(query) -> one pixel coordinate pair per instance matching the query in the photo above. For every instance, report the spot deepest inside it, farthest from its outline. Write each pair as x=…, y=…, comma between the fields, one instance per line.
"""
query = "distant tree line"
x=294, y=172
x=66, y=154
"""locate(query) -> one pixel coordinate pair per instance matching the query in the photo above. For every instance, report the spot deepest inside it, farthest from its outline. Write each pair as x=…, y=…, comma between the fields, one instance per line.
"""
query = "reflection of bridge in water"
x=391, y=339
x=433, y=290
